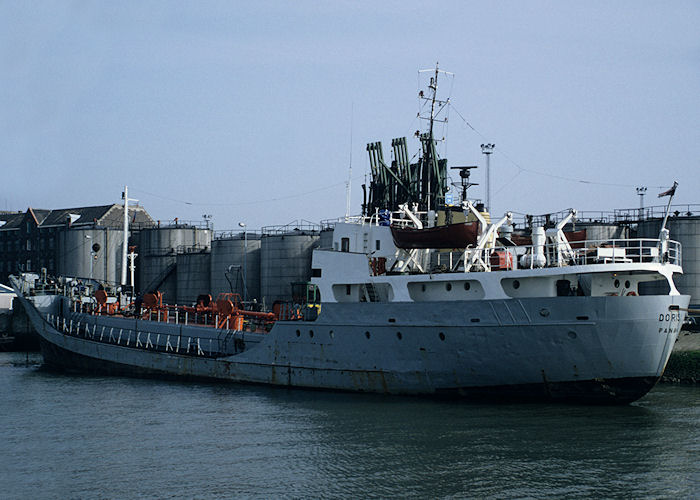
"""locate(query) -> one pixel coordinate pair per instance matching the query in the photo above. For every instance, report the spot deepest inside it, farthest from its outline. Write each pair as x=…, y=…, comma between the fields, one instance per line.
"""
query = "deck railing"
x=225, y=343
x=553, y=254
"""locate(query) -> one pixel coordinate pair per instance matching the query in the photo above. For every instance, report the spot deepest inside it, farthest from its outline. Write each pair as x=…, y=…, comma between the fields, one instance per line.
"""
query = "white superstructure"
x=551, y=266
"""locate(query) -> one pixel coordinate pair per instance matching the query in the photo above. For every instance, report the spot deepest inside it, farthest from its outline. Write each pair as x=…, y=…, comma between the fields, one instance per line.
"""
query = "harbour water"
x=70, y=436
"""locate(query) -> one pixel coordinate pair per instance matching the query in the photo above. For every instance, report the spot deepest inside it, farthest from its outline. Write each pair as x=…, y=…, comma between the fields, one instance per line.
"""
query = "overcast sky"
x=247, y=110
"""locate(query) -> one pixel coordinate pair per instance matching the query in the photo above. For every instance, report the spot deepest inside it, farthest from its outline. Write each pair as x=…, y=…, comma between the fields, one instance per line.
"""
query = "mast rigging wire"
x=535, y=172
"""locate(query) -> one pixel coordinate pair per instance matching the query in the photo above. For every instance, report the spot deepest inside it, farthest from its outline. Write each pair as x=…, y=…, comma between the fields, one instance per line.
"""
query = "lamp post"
x=245, y=261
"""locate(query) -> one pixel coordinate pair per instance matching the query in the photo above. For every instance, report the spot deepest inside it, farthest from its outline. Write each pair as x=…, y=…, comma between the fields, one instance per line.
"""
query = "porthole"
x=467, y=286
x=448, y=286
x=572, y=335
x=398, y=335
x=298, y=333
x=367, y=334
x=331, y=334
x=311, y=333
x=627, y=284
x=442, y=336
x=516, y=284
x=617, y=284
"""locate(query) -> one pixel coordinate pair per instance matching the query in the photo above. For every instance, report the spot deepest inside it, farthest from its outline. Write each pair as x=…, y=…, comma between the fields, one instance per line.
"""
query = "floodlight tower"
x=245, y=260
x=487, y=149
x=641, y=191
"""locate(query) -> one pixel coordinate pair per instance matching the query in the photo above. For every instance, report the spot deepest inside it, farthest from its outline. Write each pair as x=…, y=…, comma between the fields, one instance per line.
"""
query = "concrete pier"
x=684, y=364
x=16, y=330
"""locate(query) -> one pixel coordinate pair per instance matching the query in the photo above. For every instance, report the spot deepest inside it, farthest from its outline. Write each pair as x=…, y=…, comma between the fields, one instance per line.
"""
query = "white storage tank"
x=326, y=238
x=157, y=272
x=686, y=231
x=180, y=238
x=601, y=231
x=193, y=276
x=228, y=265
x=157, y=255
x=285, y=258
x=95, y=252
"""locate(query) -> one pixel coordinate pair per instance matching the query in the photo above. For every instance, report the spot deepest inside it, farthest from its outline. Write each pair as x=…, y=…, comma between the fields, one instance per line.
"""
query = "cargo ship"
x=397, y=306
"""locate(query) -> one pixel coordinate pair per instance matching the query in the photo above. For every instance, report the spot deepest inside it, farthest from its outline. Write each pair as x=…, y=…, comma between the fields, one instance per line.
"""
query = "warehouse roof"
x=101, y=216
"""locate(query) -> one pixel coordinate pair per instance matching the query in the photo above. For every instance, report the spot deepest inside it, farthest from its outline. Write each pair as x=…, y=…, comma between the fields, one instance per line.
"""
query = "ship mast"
x=398, y=182
x=434, y=174
x=433, y=87
x=348, y=183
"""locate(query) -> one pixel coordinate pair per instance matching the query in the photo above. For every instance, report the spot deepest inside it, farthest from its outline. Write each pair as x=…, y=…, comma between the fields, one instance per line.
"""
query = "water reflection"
x=72, y=436
x=429, y=448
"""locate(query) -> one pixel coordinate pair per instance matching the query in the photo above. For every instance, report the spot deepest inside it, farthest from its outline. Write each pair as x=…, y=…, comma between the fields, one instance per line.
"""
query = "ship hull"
x=601, y=391
x=574, y=349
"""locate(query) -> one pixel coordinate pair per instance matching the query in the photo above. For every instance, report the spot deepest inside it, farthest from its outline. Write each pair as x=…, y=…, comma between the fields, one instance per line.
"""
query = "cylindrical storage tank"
x=77, y=248
x=181, y=239
x=229, y=268
x=158, y=248
x=285, y=259
x=596, y=231
x=157, y=272
x=326, y=239
x=686, y=231
x=193, y=276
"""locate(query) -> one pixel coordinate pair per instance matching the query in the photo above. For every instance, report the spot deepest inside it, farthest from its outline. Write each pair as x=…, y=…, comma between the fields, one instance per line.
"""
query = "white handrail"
x=586, y=252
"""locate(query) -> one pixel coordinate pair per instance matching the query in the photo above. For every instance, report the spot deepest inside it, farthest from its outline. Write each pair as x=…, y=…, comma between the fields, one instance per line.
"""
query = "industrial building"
x=186, y=261
x=83, y=241
x=161, y=248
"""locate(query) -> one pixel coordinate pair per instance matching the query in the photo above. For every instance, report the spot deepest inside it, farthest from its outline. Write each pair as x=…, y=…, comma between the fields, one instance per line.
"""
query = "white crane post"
x=132, y=267
x=125, y=248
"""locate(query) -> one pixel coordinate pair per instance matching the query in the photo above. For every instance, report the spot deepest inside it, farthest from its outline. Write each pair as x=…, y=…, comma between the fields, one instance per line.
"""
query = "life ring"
x=631, y=294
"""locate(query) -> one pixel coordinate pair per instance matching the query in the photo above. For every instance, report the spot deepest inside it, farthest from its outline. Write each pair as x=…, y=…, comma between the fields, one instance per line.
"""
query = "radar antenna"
x=464, y=173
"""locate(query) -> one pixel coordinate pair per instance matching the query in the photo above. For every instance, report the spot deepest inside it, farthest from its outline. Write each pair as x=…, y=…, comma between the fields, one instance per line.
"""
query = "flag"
x=670, y=192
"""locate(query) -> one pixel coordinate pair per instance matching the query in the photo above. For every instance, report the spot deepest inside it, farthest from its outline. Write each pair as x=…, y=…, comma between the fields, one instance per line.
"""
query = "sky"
x=254, y=112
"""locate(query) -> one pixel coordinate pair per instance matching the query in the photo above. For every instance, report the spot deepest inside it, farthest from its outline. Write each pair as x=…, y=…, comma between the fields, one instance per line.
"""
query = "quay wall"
x=16, y=330
x=684, y=364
